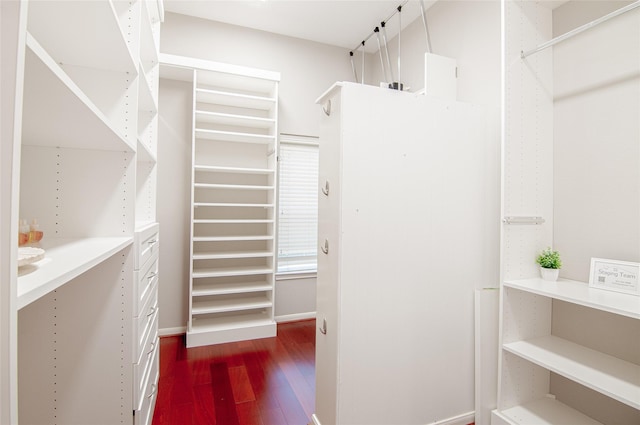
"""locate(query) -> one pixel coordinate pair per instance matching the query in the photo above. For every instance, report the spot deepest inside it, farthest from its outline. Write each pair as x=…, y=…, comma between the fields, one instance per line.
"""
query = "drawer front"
x=146, y=244
x=144, y=415
x=142, y=369
x=145, y=281
x=143, y=324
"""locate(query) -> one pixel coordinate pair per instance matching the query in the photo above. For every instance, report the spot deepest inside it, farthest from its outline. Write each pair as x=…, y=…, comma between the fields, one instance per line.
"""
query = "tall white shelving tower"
x=233, y=199
x=79, y=156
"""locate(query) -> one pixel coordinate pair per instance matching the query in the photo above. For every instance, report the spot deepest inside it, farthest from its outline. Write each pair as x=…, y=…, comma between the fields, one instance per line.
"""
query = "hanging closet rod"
x=401, y=5
x=580, y=29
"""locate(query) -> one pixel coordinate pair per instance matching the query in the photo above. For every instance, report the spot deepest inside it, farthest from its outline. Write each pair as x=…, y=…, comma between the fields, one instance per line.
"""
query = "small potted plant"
x=550, y=264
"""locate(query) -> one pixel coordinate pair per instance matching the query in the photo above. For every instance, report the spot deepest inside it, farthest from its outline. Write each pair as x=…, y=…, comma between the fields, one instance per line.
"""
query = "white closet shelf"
x=222, y=306
x=232, y=238
x=52, y=101
x=231, y=186
x=65, y=259
x=231, y=271
x=225, y=75
x=227, y=204
x=232, y=170
x=544, y=411
x=233, y=221
x=606, y=374
x=201, y=290
x=233, y=322
x=237, y=100
x=231, y=136
x=82, y=33
x=231, y=254
x=580, y=293
x=234, y=120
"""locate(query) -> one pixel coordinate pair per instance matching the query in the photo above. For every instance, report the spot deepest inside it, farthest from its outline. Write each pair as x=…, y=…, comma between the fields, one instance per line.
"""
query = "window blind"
x=297, y=204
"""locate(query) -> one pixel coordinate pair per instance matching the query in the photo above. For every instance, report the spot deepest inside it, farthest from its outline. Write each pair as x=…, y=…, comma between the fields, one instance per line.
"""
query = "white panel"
x=12, y=29
x=115, y=96
x=146, y=173
x=528, y=154
x=440, y=76
x=521, y=381
x=486, y=353
x=527, y=188
x=409, y=135
x=59, y=188
x=393, y=288
x=328, y=280
x=524, y=315
x=75, y=355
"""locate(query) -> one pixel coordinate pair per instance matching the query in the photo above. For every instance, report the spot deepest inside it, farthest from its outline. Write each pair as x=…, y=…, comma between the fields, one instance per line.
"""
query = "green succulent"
x=549, y=259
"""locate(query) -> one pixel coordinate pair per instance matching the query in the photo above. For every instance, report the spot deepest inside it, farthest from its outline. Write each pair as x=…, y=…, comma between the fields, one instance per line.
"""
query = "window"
x=298, y=204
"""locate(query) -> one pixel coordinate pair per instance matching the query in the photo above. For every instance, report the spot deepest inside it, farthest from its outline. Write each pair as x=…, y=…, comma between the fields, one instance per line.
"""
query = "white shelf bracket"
x=522, y=220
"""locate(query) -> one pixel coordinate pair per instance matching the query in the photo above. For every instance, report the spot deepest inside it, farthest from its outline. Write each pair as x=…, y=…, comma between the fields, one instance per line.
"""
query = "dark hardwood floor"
x=267, y=381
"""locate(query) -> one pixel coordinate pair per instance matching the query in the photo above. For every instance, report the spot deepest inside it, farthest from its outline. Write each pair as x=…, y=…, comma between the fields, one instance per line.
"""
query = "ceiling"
x=343, y=23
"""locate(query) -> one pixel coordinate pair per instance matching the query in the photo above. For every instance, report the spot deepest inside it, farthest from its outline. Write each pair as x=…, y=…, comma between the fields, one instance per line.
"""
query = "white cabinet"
x=397, y=262
x=146, y=342
x=76, y=159
x=569, y=354
x=531, y=352
x=233, y=199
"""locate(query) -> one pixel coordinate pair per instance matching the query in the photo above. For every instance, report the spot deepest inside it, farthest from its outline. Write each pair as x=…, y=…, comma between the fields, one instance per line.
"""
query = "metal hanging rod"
x=383, y=22
x=580, y=29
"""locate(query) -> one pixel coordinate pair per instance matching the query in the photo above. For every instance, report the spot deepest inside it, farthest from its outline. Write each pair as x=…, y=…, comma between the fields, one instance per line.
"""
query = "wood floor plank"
x=240, y=385
x=203, y=405
x=249, y=413
x=223, y=402
x=273, y=417
x=266, y=381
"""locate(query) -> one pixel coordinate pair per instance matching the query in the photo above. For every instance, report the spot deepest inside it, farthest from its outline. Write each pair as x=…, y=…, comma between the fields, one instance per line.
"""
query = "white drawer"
x=143, y=324
x=146, y=241
x=144, y=282
x=144, y=415
x=142, y=368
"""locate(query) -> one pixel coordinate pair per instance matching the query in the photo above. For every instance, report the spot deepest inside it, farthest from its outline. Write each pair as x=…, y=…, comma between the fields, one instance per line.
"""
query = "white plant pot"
x=549, y=274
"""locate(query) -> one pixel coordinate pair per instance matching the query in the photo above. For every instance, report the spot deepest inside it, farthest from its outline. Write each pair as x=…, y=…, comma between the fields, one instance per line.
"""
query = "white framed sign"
x=613, y=275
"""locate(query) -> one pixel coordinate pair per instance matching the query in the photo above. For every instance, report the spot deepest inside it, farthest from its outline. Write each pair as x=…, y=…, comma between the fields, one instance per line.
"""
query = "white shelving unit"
x=233, y=199
x=86, y=73
x=539, y=359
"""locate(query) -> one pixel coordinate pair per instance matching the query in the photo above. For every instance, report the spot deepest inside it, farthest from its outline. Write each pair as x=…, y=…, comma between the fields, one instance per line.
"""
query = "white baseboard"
x=180, y=330
x=463, y=419
x=295, y=317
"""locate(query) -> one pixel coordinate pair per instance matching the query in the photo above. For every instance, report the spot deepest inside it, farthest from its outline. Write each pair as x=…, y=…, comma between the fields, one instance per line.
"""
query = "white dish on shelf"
x=29, y=254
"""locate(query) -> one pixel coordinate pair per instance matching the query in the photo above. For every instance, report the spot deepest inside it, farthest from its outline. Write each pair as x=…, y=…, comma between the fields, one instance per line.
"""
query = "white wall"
x=307, y=69
x=174, y=178
x=468, y=31
x=596, y=179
